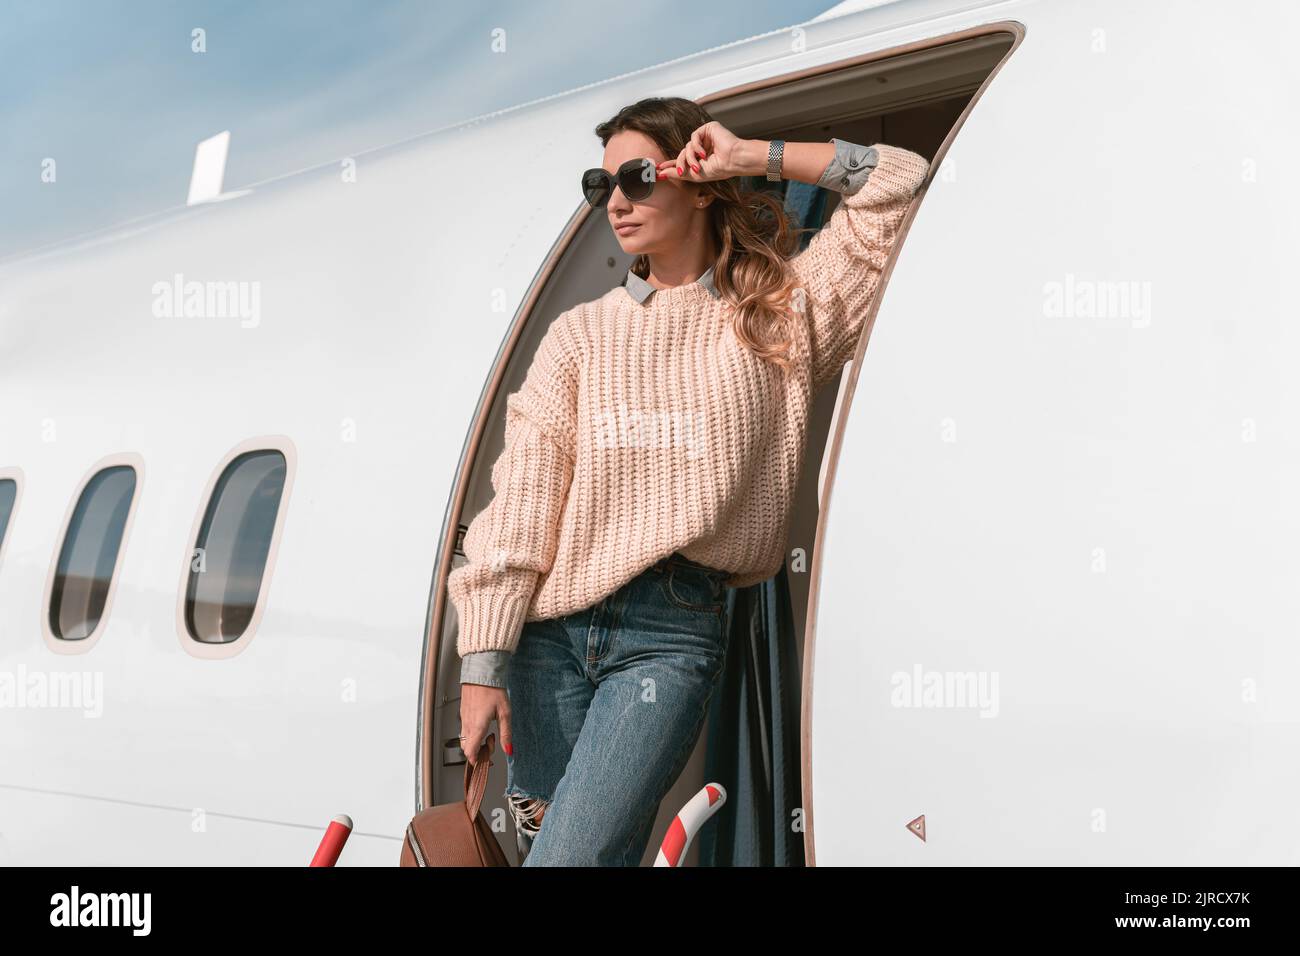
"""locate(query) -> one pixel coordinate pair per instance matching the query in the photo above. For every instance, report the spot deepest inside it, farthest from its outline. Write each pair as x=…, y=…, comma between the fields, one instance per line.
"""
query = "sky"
x=113, y=93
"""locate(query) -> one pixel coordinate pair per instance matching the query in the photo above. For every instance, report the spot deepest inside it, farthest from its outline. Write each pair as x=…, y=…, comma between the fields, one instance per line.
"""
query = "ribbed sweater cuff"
x=491, y=621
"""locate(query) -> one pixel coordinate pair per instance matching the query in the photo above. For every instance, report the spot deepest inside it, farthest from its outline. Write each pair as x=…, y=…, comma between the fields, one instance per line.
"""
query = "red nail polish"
x=510, y=750
x=679, y=170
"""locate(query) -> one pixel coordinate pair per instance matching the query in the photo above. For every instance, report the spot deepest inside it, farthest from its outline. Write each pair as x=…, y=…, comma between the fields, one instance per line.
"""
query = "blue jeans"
x=606, y=707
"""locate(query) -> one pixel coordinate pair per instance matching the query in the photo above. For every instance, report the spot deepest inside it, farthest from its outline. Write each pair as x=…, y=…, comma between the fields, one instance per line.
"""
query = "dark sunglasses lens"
x=595, y=187
x=637, y=179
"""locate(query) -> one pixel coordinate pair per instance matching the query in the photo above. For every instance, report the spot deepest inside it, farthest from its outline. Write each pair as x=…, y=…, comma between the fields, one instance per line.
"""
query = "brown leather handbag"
x=456, y=834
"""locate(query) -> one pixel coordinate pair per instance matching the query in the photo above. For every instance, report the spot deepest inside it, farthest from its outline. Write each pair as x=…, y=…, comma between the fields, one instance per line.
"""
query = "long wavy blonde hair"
x=754, y=236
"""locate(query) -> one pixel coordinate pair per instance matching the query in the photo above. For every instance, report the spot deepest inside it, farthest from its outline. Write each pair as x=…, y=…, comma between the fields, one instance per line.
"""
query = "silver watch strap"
x=775, y=150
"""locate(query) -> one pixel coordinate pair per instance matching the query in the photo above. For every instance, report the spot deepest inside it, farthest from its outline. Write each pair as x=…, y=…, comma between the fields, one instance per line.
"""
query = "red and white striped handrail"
x=688, y=822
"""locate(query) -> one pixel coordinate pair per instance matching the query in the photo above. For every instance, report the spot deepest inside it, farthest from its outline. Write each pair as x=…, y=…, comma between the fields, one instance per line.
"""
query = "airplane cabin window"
x=229, y=556
x=8, y=495
x=89, y=555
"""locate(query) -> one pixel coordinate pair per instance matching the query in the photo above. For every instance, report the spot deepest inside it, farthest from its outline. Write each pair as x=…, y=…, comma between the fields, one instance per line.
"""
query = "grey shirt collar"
x=639, y=289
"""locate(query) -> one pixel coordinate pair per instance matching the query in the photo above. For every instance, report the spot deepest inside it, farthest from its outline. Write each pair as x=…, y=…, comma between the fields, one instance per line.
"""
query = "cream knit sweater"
x=646, y=428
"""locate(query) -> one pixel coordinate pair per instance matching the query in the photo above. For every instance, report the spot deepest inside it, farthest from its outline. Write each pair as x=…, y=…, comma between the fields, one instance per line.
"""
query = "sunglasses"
x=636, y=177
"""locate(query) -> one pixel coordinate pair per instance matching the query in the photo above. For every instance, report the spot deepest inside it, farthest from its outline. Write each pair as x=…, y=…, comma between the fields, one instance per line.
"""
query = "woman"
x=650, y=462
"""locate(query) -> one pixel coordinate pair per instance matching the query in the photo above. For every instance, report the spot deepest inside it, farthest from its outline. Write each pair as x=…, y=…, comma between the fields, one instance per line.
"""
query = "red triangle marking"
x=917, y=827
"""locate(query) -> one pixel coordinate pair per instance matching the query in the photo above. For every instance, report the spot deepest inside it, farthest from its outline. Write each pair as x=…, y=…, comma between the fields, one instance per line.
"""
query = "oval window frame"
x=59, y=645
x=14, y=474
x=205, y=651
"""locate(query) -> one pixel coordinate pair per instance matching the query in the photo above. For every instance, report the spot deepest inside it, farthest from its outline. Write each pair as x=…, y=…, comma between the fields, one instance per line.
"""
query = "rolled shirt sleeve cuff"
x=849, y=169
x=485, y=667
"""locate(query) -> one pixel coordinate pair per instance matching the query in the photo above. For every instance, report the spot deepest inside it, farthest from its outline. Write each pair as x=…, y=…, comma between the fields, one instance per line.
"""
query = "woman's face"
x=668, y=218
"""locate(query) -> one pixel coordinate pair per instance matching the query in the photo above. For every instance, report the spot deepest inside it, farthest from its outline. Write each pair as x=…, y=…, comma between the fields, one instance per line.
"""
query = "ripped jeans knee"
x=528, y=812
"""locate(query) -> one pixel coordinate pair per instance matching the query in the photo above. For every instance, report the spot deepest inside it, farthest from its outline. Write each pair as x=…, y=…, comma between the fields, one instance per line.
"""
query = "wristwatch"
x=775, y=149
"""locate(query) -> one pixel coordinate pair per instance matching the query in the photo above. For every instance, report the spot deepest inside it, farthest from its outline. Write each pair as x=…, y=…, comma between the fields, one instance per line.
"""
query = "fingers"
x=503, y=722
x=473, y=726
x=683, y=165
x=699, y=147
x=479, y=706
x=700, y=160
x=688, y=164
x=470, y=744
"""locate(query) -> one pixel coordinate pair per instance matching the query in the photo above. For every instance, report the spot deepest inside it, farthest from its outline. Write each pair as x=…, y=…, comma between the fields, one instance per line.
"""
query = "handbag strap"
x=476, y=778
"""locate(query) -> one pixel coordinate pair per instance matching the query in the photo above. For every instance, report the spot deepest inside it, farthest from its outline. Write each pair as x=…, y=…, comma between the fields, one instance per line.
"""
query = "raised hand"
x=714, y=152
